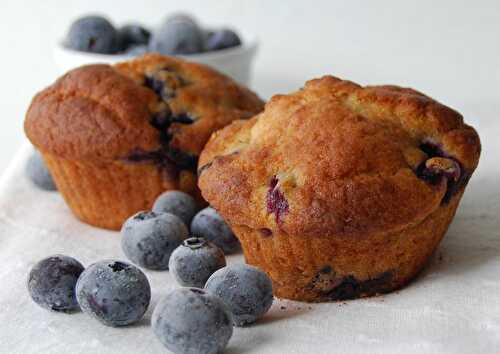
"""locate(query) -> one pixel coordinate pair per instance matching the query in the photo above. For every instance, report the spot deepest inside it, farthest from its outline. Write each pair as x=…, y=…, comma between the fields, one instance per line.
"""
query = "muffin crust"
x=99, y=126
x=340, y=169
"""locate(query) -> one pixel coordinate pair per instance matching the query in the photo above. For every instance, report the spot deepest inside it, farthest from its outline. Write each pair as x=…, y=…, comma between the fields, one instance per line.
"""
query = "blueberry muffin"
x=115, y=137
x=340, y=191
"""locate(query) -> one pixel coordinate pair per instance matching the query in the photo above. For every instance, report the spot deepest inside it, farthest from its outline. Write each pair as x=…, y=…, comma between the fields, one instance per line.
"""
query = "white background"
x=447, y=49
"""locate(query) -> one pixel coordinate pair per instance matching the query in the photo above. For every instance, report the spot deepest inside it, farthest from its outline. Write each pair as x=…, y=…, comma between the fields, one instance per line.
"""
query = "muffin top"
x=336, y=158
x=151, y=108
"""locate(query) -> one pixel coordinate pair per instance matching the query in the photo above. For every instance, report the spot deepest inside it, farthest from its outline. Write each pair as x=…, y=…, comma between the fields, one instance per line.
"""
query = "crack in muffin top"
x=102, y=112
x=339, y=158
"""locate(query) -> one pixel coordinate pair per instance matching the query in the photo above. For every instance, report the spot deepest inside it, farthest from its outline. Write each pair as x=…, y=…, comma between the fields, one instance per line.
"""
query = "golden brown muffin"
x=115, y=137
x=340, y=191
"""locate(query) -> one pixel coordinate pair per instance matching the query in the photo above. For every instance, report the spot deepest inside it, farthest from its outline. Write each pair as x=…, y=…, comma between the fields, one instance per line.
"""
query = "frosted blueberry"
x=247, y=291
x=52, y=281
x=212, y=227
x=194, y=261
x=149, y=238
x=114, y=292
x=178, y=203
x=190, y=321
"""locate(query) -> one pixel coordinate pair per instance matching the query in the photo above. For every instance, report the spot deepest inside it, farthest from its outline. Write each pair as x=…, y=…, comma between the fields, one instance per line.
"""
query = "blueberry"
x=221, y=39
x=93, y=34
x=177, y=36
x=133, y=35
x=193, y=262
x=247, y=291
x=276, y=201
x=181, y=16
x=177, y=203
x=137, y=50
x=38, y=173
x=190, y=321
x=207, y=33
x=148, y=238
x=51, y=283
x=114, y=292
x=210, y=225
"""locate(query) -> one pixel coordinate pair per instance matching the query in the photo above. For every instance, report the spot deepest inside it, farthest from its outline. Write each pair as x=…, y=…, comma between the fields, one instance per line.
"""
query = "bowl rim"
x=249, y=44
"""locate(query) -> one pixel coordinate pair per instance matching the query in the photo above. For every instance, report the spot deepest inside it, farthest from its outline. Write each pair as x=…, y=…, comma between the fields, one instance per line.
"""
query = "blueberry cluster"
x=178, y=34
x=149, y=238
x=197, y=318
x=113, y=292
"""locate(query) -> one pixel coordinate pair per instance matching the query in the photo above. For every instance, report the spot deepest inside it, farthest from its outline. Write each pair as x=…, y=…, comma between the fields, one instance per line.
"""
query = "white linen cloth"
x=453, y=306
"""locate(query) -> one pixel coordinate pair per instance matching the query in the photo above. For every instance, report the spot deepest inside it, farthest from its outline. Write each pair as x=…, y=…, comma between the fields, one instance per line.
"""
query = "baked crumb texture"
x=340, y=191
x=115, y=137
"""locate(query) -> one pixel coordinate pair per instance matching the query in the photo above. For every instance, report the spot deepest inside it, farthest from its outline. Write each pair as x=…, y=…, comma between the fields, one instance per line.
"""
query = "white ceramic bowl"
x=235, y=62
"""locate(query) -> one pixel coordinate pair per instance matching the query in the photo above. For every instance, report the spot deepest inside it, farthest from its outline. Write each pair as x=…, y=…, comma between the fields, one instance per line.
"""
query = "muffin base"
x=105, y=194
x=329, y=268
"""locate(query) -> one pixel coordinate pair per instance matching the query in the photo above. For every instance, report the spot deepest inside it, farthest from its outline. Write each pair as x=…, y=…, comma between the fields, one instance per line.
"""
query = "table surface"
x=453, y=306
x=447, y=49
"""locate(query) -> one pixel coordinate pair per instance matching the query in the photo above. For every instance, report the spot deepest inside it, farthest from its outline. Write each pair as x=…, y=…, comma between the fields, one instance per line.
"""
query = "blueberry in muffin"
x=116, y=137
x=340, y=191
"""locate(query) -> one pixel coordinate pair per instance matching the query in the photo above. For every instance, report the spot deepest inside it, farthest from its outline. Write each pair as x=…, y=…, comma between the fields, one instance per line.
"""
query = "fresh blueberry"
x=221, y=39
x=177, y=203
x=177, y=36
x=149, y=238
x=137, y=50
x=247, y=291
x=51, y=283
x=93, y=34
x=207, y=33
x=193, y=262
x=210, y=225
x=190, y=321
x=133, y=35
x=114, y=292
x=181, y=16
x=38, y=173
